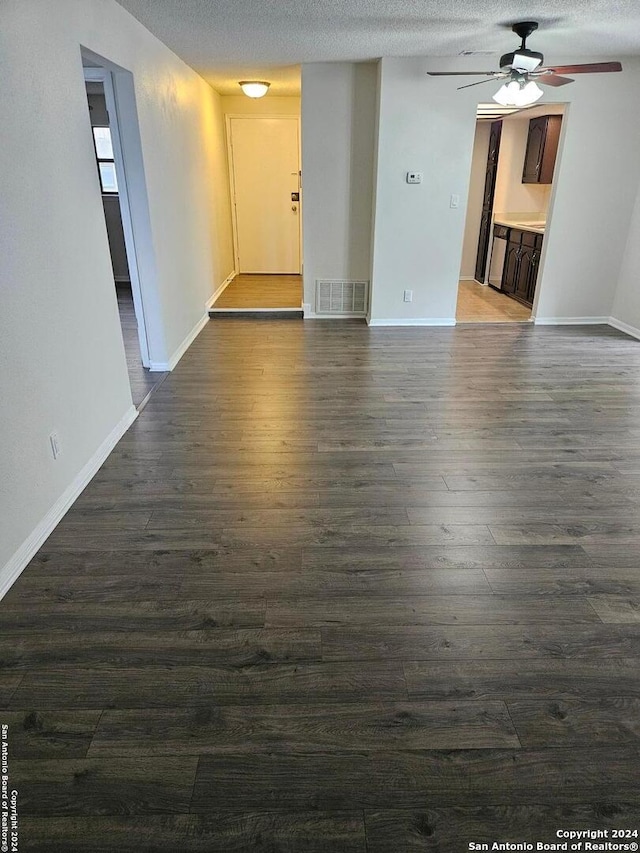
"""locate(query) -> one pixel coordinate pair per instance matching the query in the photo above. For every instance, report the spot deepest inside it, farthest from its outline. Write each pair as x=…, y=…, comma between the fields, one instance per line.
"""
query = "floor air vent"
x=342, y=297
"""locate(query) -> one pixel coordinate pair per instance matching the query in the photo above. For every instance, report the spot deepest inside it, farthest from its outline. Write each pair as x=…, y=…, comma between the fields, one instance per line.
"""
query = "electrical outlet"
x=414, y=177
x=54, y=442
x=408, y=296
x=454, y=201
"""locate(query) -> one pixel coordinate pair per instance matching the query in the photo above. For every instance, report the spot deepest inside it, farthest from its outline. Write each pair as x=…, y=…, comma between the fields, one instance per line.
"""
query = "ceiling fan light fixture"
x=254, y=88
x=518, y=94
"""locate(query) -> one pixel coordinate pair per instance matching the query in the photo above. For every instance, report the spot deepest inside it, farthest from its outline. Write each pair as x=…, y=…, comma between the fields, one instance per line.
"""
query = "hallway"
x=342, y=589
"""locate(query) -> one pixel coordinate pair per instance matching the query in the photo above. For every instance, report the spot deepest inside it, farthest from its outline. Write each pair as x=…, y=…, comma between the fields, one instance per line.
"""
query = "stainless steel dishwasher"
x=498, y=254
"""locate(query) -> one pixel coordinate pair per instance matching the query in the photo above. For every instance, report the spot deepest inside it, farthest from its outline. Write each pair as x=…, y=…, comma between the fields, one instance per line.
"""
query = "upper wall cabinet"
x=542, y=148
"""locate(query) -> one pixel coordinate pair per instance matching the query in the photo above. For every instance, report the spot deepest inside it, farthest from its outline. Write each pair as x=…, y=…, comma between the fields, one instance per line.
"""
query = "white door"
x=265, y=172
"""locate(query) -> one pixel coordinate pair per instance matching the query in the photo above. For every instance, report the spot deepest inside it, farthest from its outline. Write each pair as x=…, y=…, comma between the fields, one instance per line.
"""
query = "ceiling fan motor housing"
x=506, y=61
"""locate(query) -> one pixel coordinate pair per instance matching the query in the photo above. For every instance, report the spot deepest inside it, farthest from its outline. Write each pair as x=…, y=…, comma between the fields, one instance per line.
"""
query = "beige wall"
x=474, y=199
x=626, y=306
x=338, y=141
x=269, y=105
x=512, y=196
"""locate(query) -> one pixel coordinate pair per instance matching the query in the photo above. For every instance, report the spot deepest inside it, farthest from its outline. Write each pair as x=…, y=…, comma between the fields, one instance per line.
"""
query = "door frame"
x=104, y=76
x=232, y=189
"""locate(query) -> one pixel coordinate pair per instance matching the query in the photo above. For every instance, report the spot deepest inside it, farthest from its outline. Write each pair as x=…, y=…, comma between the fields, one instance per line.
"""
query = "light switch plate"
x=414, y=177
x=454, y=201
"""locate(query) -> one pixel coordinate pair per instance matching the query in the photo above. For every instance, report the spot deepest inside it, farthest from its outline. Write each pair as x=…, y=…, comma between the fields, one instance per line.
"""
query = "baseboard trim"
x=571, y=321
x=12, y=570
x=225, y=284
x=416, y=321
x=624, y=327
x=471, y=278
x=168, y=366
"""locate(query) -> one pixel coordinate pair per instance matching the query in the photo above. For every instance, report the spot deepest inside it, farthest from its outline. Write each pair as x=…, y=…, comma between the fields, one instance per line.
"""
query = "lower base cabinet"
x=521, y=263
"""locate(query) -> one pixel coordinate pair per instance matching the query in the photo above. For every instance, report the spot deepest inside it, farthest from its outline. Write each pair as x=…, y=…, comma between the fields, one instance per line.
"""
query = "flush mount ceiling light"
x=254, y=88
x=518, y=93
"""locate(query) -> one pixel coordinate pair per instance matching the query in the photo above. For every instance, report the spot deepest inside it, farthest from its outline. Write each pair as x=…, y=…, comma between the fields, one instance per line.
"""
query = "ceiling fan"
x=522, y=68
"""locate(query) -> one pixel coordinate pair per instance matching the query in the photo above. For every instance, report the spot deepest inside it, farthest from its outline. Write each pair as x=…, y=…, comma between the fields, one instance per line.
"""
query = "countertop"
x=537, y=226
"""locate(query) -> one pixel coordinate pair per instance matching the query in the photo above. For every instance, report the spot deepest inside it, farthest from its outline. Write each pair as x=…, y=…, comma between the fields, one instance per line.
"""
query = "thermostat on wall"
x=414, y=177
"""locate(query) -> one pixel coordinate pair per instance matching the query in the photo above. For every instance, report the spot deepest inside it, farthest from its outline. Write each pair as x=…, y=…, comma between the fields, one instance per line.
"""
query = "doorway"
x=265, y=181
x=508, y=211
x=112, y=183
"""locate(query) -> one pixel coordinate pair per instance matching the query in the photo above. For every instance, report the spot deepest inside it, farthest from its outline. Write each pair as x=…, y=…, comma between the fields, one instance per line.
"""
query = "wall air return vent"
x=338, y=297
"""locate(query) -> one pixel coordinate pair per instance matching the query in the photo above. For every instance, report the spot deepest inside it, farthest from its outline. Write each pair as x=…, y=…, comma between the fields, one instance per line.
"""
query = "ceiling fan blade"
x=588, y=68
x=463, y=73
x=478, y=82
x=554, y=80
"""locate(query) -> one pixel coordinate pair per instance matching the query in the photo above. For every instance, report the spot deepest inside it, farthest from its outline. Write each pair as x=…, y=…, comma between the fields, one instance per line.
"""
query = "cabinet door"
x=511, y=267
x=489, y=186
x=533, y=275
x=524, y=272
x=535, y=149
x=494, y=142
x=550, y=150
x=483, y=245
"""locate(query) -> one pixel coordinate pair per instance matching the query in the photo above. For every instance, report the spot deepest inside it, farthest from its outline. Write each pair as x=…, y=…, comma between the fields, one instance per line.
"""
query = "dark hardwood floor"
x=343, y=589
x=141, y=380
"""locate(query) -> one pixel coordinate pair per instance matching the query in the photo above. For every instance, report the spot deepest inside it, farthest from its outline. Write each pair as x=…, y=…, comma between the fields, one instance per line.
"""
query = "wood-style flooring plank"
x=450, y=828
x=617, y=609
x=170, y=566
x=567, y=581
x=480, y=642
x=212, y=647
x=376, y=780
x=449, y=556
x=426, y=610
x=230, y=831
x=580, y=678
x=157, y=686
x=313, y=583
x=176, y=615
x=572, y=722
x=334, y=727
x=99, y=786
x=49, y=734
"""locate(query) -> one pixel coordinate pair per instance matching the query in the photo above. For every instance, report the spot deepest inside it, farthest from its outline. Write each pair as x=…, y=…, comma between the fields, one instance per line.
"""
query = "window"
x=104, y=155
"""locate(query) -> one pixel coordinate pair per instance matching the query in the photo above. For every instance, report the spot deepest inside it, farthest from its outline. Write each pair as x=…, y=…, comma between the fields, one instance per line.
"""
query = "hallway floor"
x=479, y=303
x=262, y=291
x=342, y=590
x=141, y=380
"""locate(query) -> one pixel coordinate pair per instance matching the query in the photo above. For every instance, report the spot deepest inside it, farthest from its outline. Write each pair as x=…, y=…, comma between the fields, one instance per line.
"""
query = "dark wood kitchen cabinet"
x=521, y=262
x=511, y=265
x=484, y=234
x=542, y=149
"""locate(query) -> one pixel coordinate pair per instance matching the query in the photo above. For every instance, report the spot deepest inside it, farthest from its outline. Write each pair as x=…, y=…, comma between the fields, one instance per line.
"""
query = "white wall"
x=62, y=359
x=427, y=125
x=626, y=305
x=593, y=197
x=338, y=137
x=474, y=199
x=511, y=195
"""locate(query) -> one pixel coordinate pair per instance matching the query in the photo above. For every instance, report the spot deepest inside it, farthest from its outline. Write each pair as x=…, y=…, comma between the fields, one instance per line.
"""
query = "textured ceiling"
x=227, y=40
